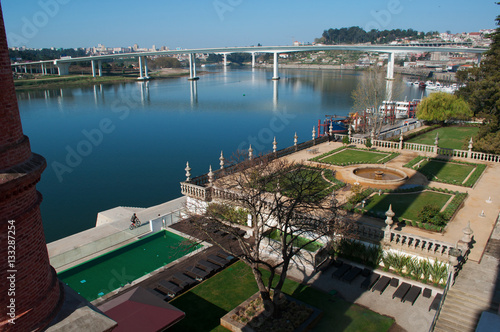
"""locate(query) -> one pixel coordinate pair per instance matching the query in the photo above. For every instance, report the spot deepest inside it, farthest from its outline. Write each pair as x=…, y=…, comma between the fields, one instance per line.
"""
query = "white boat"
x=402, y=109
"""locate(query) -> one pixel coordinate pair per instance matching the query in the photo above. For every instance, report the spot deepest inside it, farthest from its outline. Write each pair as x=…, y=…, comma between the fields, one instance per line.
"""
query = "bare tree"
x=291, y=200
x=372, y=90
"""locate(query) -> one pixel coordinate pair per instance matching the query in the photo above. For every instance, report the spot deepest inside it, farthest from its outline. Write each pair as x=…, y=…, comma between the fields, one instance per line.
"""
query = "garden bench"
x=370, y=281
x=381, y=284
x=401, y=291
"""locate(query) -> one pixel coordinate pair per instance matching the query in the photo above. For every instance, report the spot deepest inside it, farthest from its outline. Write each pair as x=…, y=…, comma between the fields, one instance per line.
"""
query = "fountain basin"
x=379, y=175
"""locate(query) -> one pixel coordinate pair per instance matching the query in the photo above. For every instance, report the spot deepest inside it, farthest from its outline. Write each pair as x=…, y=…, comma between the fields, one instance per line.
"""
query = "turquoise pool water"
x=115, y=269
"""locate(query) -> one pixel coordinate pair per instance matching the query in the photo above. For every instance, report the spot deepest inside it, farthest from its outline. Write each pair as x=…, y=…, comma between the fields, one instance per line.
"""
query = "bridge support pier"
x=92, y=64
x=276, y=76
x=192, y=67
x=62, y=68
x=253, y=59
x=390, y=67
x=143, y=67
x=99, y=65
x=225, y=59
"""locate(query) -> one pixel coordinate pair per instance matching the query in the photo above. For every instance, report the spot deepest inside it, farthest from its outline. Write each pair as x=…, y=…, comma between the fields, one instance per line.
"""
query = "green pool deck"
x=120, y=267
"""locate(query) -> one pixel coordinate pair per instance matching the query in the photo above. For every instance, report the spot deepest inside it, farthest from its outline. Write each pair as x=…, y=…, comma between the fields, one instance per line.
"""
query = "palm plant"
x=438, y=271
x=400, y=263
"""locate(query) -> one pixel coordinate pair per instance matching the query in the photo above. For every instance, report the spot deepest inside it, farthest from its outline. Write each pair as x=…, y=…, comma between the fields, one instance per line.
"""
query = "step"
x=469, y=300
x=464, y=321
x=460, y=313
x=451, y=326
x=465, y=303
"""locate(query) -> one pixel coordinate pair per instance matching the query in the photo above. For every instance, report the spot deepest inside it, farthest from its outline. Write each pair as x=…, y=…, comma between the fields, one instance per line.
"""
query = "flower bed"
x=250, y=316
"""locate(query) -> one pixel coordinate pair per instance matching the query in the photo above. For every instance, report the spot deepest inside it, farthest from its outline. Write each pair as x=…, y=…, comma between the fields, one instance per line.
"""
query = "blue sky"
x=220, y=23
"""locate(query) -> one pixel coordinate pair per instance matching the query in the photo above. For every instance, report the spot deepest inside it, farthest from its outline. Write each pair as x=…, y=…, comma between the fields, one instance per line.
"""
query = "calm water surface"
x=127, y=144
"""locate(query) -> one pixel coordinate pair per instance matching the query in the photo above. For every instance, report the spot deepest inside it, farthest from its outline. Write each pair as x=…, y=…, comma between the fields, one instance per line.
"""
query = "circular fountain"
x=379, y=175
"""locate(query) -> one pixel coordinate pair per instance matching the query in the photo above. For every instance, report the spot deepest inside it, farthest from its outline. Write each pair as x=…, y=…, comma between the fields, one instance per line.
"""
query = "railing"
x=418, y=147
x=419, y=244
x=445, y=292
x=196, y=191
x=386, y=144
x=484, y=156
x=366, y=232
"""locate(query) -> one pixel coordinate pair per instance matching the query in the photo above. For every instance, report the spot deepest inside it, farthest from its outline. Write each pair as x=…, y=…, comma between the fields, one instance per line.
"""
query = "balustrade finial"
x=188, y=172
x=221, y=158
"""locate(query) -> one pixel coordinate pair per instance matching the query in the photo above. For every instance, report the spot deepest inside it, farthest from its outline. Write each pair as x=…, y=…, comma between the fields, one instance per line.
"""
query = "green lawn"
x=405, y=205
x=355, y=156
x=205, y=304
x=449, y=137
x=445, y=171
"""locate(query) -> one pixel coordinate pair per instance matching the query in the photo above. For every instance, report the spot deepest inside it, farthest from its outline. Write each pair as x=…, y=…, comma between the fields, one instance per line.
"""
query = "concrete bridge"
x=63, y=64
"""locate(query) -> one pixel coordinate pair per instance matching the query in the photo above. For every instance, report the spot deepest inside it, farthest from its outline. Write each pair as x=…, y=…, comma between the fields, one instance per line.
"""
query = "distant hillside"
x=356, y=35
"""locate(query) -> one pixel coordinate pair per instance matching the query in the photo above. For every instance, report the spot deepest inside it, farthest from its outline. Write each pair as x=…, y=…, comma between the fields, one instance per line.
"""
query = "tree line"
x=357, y=35
x=44, y=54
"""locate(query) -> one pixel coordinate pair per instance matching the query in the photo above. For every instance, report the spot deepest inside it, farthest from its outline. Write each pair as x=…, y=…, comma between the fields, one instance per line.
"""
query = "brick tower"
x=30, y=293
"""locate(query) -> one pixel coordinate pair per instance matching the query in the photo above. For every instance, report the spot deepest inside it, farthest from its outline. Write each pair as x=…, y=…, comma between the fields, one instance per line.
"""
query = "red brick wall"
x=38, y=293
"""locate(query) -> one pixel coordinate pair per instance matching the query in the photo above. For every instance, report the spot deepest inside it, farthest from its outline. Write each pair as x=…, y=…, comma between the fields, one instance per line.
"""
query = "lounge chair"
x=196, y=273
x=207, y=266
x=435, y=303
x=226, y=256
x=412, y=294
x=370, y=281
x=351, y=274
x=381, y=284
x=401, y=291
x=366, y=272
x=168, y=288
x=182, y=280
x=339, y=273
x=217, y=260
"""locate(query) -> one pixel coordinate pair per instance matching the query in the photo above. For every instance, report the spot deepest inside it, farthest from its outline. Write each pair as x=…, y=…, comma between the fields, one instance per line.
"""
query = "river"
x=127, y=144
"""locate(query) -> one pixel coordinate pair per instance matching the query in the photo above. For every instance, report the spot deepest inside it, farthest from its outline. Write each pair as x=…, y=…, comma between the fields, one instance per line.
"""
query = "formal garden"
x=459, y=173
x=345, y=156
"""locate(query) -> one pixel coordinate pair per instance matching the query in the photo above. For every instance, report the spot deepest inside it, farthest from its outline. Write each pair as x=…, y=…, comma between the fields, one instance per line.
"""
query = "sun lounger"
x=339, y=273
x=370, y=281
x=412, y=294
x=401, y=291
x=182, y=280
x=207, y=266
x=168, y=288
x=225, y=255
x=435, y=303
x=196, y=273
x=366, y=272
x=381, y=284
x=217, y=260
x=351, y=274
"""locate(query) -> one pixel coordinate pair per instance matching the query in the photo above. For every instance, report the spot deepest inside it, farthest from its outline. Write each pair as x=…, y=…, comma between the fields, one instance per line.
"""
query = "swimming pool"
x=115, y=269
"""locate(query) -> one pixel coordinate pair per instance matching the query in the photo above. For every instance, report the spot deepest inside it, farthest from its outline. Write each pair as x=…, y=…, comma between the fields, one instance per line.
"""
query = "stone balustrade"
x=484, y=156
x=367, y=232
x=386, y=144
x=195, y=191
x=419, y=245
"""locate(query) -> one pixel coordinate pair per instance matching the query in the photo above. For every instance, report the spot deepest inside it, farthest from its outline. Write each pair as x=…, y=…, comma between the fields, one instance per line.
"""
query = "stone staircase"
x=476, y=289
x=461, y=311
